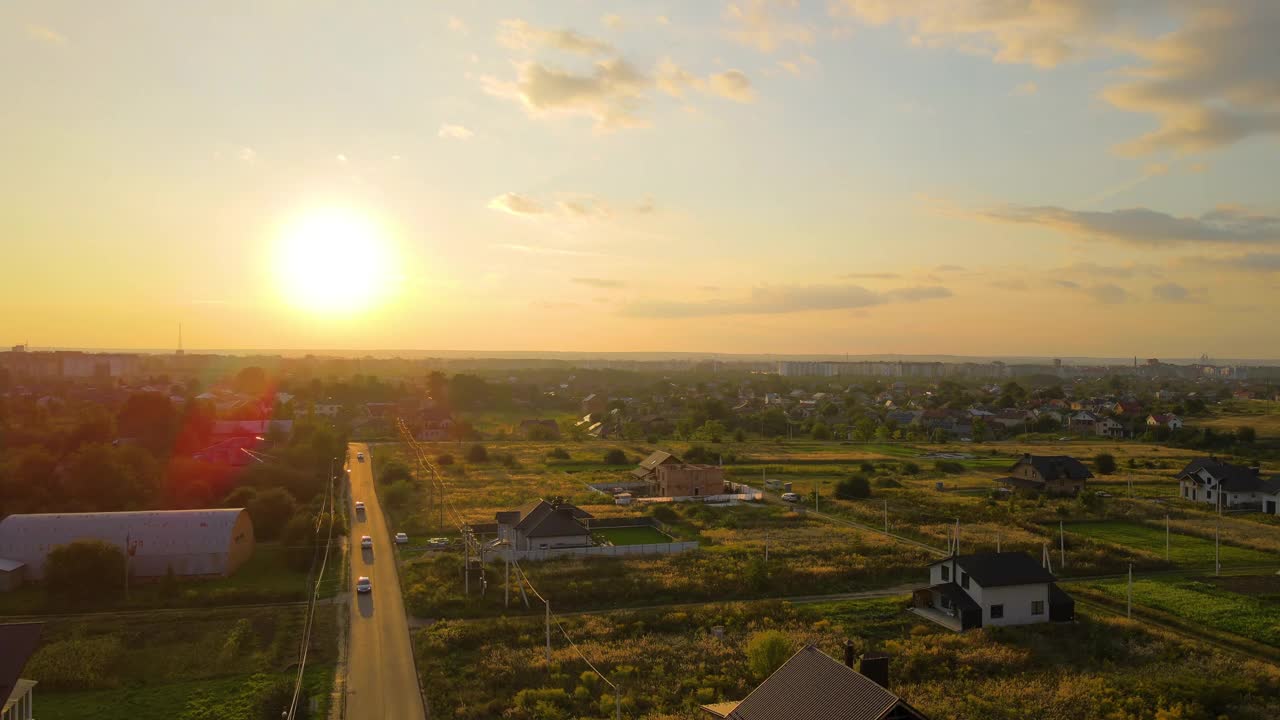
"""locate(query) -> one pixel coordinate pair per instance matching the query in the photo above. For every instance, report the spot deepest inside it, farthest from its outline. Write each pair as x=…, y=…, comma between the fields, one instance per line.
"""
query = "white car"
x=366, y=542
x=401, y=538
x=360, y=456
x=438, y=543
x=791, y=497
x=363, y=585
x=359, y=506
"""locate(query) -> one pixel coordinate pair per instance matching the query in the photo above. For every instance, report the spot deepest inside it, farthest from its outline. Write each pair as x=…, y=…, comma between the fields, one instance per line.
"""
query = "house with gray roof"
x=815, y=686
x=1048, y=474
x=1210, y=480
x=545, y=525
x=987, y=589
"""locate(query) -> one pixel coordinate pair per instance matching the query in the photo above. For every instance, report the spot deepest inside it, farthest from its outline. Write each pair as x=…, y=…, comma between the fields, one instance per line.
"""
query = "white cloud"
x=1171, y=292
x=45, y=34
x=613, y=22
x=543, y=250
x=583, y=206
x=340, y=159
x=521, y=35
x=733, y=85
x=663, y=20
x=799, y=64
x=610, y=94
x=761, y=24
x=457, y=25
x=778, y=299
x=454, y=132
x=516, y=204
x=1141, y=226
x=676, y=81
x=246, y=154
x=1105, y=293
x=1209, y=82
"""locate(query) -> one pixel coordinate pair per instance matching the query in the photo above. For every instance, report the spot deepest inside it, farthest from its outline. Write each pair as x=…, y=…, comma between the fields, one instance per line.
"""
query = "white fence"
x=602, y=551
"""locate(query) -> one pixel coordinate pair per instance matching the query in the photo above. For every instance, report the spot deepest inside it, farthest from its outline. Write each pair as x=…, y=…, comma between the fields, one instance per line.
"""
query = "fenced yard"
x=640, y=535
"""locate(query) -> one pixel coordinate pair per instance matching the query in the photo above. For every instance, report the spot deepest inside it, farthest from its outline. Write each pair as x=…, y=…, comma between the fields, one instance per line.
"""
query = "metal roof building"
x=192, y=542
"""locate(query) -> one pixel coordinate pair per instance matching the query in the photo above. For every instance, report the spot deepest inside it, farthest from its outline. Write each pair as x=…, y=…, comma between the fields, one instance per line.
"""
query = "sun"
x=333, y=260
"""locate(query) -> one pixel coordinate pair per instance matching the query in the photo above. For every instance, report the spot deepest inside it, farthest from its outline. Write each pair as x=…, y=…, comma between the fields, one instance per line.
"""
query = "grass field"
x=266, y=577
x=1261, y=415
x=632, y=535
x=1078, y=671
x=193, y=664
x=1206, y=601
x=1185, y=550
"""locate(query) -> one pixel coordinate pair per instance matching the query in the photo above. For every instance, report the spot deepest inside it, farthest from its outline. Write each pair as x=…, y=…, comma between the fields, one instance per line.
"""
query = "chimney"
x=876, y=669
x=848, y=653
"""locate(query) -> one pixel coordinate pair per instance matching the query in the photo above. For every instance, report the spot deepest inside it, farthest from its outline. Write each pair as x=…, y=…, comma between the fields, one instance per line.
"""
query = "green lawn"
x=237, y=697
x=1203, y=602
x=633, y=535
x=1183, y=549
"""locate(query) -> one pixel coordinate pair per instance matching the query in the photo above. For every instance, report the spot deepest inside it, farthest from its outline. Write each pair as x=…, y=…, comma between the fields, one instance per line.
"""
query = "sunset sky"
x=982, y=177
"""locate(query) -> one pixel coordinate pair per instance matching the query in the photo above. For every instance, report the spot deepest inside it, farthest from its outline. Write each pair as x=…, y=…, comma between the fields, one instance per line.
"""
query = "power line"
x=309, y=622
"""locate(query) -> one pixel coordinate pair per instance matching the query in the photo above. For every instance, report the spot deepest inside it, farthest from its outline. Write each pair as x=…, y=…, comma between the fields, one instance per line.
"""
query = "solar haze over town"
x=590, y=360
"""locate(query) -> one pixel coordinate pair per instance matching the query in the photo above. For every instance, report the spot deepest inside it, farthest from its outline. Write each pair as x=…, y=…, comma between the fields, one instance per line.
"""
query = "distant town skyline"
x=1052, y=179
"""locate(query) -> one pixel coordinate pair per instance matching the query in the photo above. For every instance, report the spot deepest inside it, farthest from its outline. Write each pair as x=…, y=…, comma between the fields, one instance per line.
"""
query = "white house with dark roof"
x=989, y=589
x=18, y=642
x=1209, y=480
x=815, y=686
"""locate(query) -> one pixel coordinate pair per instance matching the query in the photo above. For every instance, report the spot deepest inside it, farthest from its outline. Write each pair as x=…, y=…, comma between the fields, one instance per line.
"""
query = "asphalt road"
x=382, y=683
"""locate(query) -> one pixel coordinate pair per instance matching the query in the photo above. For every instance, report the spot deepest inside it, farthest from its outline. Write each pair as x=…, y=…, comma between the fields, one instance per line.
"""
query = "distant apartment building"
x=801, y=368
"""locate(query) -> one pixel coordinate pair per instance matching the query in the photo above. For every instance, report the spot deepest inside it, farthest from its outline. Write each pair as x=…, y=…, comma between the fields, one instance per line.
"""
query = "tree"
x=711, y=431
x=251, y=381
x=1104, y=463
x=101, y=478
x=766, y=651
x=541, y=433
x=854, y=487
x=821, y=432
x=149, y=418
x=270, y=510
x=85, y=569
x=1246, y=435
x=477, y=454
x=395, y=470
x=615, y=456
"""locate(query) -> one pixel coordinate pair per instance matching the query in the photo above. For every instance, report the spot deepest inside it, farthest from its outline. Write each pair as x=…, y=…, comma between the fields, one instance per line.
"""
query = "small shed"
x=13, y=574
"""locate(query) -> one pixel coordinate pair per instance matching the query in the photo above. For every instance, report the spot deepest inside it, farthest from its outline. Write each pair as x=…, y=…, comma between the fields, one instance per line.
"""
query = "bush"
x=948, y=466
x=1246, y=435
x=1104, y=463
x=558, y=454
x=887, y=482
x=854, y=487
x=615, y=456
x=85, y=569
x=394, y=471
x=477, y=454
x=739, y=436
x=542, y=433
x=444, y=459
x=397, y=496
x=508, y=460
x=910, y=468
x=766, y=651
x=821, y=432
x=270, y=509
x=698, y=454
x=867, y=468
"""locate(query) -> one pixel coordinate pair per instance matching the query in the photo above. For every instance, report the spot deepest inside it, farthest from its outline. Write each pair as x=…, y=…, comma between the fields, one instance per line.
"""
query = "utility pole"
x=957, y=549
x=617, y=703
x=1166, y=538
x=466, y=566
x=1217, y=531
x=1128, y=611
x=506, y=581
x=1062, y=545
x=548, y=604
x=766, y=546
x=886, y=517
x=997, y=541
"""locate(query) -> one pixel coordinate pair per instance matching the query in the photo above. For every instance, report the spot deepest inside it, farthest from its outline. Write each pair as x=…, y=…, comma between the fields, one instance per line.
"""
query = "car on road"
x=1103, y=494
x=360, y=456
x=790, y=497
x=363, y=585
x=438, y=543
x=401, y=538
x=359, y=506
x=366, y=542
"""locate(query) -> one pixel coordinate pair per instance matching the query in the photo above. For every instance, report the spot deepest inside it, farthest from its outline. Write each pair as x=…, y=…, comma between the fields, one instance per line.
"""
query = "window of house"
x=964, y=580
x=946, y=574
x=1208, y=494
x=1037, y=607
x=946, y=603
x=1184, y=491
x=997, y=611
